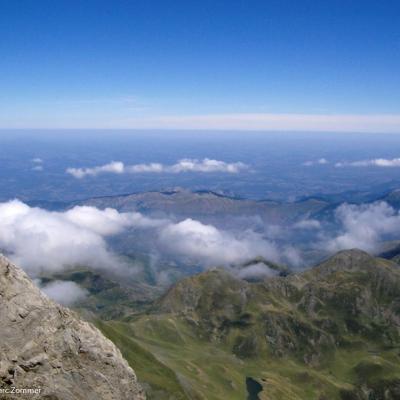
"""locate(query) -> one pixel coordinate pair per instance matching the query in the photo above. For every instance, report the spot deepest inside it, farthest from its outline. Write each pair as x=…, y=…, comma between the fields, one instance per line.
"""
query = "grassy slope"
x=172, y=350
x=156, y=348
x=149, y=370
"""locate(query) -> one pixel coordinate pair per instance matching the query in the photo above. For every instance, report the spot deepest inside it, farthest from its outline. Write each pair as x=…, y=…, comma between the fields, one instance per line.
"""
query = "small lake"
x=253, y=388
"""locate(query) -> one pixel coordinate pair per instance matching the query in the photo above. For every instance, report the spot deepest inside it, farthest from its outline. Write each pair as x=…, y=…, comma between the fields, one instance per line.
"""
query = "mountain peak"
x=47, y=347
x=351, y=260
x=354, y=255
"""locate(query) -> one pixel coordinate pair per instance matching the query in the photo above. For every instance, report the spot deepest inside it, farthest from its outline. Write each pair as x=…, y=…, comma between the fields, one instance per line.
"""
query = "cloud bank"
x=377, y=162
x=44, y=242
x=41, y=241
x=185, y=165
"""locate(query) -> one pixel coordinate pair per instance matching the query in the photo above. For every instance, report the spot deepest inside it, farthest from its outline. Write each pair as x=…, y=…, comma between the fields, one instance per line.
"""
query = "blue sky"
x=200, y=64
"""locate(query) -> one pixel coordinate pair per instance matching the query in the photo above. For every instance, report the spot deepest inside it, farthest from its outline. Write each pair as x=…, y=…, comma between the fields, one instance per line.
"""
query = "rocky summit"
x=48, y=352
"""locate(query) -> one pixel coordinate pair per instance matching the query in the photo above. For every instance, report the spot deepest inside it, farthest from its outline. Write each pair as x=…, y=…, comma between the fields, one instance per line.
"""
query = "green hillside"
x=332, y=332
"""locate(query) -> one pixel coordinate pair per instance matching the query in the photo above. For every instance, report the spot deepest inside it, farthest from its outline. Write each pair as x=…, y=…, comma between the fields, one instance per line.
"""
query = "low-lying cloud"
x=376, y=162
x=256, y=271
x=42, y=241
x=46, y=242
x=211, y=246
x=364, y=226
x=63, y=292
x=206, y=165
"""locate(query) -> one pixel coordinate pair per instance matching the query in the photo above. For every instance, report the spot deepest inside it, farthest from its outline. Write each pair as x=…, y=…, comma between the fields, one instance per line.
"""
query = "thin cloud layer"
x=377, y=162
x=206, y=165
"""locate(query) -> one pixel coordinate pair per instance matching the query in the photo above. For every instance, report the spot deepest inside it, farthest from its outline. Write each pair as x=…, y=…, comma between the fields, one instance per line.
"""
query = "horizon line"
x=257, y=122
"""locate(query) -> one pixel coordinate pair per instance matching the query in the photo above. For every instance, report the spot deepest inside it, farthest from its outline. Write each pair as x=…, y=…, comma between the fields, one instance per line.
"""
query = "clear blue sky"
x=119, y=63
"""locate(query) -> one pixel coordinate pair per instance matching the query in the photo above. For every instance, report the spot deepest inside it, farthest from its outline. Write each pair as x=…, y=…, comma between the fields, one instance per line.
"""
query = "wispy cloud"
x=206, y=165
x=321, y=161
x=376, y=162
x=37, y=164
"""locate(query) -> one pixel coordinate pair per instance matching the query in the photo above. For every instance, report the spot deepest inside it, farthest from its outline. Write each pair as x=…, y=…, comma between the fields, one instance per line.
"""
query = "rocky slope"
x=45, y=346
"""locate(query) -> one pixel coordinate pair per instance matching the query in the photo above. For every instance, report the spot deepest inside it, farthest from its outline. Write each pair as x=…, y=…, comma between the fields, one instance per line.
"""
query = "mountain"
x=331, y=332
x=45, y=346
x=207, y=205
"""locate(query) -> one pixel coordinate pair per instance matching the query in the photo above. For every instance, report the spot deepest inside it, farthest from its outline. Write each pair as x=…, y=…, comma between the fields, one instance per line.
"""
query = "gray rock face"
x=46, y=346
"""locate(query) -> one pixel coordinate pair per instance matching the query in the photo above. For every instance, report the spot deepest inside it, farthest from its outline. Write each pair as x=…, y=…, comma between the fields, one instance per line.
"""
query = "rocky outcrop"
x=49, y=353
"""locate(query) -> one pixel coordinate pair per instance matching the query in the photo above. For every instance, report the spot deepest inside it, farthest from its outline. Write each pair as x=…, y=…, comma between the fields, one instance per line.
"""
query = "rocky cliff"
x=47, y=352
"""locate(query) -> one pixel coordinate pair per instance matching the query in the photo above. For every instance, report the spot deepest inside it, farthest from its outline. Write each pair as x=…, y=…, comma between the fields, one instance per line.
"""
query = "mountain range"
x=331, y=332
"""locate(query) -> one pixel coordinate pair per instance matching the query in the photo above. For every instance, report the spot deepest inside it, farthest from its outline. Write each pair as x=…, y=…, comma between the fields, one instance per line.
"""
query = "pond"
x=253, y=388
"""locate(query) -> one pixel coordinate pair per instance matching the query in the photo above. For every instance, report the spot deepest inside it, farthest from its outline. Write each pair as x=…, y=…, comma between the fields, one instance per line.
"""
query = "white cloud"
x=211, y=246
x=37, y=160
x=206, y=165
x=185, y=165
x=307, y=224
x=321, y=161
x=38, y=168
x=364, y=226
x=44, y=241
x=377, y=162
x=114, y=167
x=63, y=292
